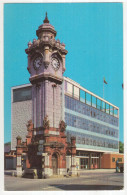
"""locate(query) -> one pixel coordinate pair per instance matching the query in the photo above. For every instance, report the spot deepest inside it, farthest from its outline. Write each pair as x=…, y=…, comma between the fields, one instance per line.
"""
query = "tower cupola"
x=46, y=29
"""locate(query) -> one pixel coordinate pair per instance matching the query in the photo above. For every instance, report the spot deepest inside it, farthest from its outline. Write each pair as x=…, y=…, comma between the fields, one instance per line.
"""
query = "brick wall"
x=108, y=161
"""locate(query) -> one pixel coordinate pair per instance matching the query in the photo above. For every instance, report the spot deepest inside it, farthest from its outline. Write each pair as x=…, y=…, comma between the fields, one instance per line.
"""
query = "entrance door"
x=54, y=164
x=84, y=163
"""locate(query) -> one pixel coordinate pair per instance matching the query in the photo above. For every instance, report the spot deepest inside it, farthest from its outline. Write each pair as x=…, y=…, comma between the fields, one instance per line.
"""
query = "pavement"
x=99, y=179
x=81, y=171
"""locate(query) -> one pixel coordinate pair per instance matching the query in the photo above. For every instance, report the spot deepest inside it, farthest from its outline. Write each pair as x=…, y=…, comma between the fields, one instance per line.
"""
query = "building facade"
x=93, y=121
x=71, y=127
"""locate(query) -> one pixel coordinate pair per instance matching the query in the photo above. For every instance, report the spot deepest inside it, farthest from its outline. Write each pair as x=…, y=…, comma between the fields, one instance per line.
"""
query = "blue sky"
x=93, y=35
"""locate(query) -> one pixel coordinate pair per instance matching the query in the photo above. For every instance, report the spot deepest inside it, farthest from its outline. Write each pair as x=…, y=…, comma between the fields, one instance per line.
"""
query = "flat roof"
x=82, y=88
x=20, y=86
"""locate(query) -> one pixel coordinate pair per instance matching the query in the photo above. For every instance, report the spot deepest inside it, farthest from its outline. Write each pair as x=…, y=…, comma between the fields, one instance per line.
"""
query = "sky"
x=93, y=35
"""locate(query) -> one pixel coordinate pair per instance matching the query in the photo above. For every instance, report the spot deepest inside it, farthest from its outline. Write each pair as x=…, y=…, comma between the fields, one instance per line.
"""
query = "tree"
x=121, y=147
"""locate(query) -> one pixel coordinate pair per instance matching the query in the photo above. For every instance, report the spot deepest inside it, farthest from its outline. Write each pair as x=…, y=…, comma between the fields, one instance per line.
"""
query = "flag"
x=105, y=81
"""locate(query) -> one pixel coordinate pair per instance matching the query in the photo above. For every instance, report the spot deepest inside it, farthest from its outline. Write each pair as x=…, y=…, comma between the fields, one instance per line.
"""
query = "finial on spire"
x=46, y=19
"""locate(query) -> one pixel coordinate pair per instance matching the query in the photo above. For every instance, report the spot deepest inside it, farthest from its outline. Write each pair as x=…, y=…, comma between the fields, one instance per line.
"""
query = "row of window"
x=78, y=122
x=89, y=99
x=92, y=140
x=85, y=109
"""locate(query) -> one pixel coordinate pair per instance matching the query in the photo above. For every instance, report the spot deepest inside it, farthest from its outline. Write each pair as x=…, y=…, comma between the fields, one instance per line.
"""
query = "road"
x=98, y=180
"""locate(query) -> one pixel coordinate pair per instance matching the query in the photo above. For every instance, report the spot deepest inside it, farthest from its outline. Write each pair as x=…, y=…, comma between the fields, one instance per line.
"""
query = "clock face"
x=37, y=63
x=55, y=63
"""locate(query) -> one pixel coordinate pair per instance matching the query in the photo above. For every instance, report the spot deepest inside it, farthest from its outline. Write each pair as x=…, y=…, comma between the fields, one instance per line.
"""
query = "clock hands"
x=55, y=63
x=37, y=62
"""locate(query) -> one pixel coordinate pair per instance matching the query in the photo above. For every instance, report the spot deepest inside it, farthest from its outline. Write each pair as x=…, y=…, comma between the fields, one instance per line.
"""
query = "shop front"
x=88, y=160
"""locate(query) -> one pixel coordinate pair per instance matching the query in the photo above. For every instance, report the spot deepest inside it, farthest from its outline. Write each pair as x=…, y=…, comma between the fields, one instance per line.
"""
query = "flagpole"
x=103, y=88
x=103, y=94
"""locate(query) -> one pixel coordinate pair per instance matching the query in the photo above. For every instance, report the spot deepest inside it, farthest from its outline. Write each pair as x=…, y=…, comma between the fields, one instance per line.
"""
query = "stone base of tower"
x=74, y=171
x=45, y=153
x=48, y=172
x=19, y=171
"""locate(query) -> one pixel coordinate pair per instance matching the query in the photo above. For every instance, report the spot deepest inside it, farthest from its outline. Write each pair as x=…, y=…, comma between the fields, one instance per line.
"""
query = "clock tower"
x=46, y=65
x=46, y=147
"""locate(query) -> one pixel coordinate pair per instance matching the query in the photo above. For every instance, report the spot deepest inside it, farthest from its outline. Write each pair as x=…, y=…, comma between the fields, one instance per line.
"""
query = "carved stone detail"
x=46, y=64
x=29, y=125
x=62, y=125
x=46, y=123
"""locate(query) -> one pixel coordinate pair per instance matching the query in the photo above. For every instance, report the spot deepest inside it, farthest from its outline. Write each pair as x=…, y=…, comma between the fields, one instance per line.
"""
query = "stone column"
x=47, y=167
x=38, y=105
x=34, y=104
x=46, y=97
x=54, y=104
x=19, y=165
x=43, y=101
x=19, y=155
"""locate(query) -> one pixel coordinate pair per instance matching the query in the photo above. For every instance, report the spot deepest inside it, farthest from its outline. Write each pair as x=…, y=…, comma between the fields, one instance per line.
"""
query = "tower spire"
x=46, y=19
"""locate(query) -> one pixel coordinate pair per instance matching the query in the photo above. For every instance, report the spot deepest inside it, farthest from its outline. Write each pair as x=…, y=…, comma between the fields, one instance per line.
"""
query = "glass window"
x=82, y=96
x=107, y=108
x=94, y=102
x=120, y=159
x=22, y=94
x=88, y=98
x=76, y=92
x=69, y=88
x=111, y=110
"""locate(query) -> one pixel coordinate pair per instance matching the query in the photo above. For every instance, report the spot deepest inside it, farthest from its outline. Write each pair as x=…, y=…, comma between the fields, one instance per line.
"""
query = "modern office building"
x=52, y=101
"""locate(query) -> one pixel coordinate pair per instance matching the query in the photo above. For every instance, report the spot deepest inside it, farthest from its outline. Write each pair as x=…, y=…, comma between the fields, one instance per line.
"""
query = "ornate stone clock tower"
x=46, y=147
x=46, y=65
